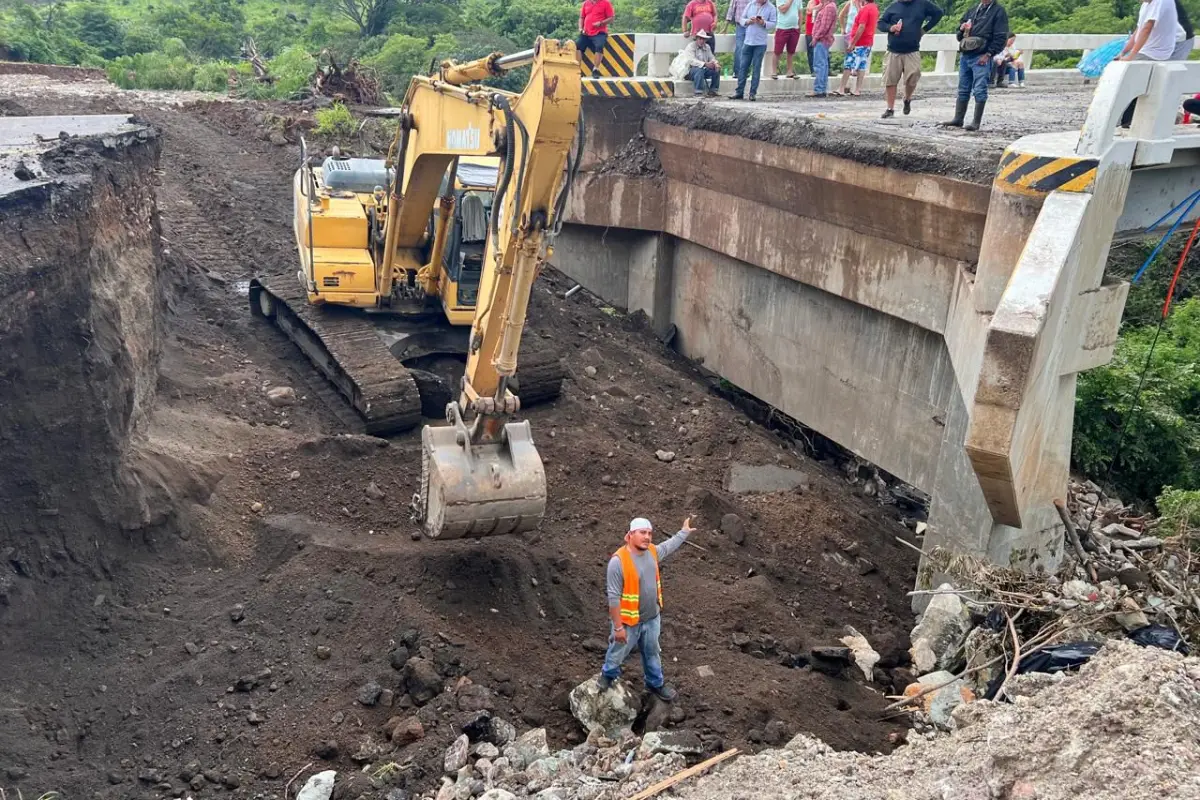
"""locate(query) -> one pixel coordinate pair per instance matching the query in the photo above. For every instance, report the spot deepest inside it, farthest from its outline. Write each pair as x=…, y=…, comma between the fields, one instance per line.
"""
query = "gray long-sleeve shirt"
x=647, y=592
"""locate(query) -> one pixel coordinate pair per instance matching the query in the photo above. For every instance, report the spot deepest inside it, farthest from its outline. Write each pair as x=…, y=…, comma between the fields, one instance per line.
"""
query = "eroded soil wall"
x=81, y=314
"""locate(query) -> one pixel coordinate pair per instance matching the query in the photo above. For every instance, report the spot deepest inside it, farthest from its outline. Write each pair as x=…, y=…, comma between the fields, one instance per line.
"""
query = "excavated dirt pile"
x=271, y=614
x=1123, y=727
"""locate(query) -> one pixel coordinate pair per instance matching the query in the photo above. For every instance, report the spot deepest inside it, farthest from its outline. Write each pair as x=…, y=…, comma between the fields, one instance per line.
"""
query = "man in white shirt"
x=1154, y=39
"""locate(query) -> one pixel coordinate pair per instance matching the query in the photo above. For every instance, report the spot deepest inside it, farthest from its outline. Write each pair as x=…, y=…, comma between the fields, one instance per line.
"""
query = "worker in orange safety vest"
x=634, y=603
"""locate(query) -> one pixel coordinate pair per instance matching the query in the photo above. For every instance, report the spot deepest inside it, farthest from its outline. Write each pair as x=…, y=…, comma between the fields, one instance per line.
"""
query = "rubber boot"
x=960, y=111
x=974, y=125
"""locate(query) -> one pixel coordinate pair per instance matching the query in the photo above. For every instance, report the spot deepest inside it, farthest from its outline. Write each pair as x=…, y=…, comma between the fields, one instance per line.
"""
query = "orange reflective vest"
x=631, y=590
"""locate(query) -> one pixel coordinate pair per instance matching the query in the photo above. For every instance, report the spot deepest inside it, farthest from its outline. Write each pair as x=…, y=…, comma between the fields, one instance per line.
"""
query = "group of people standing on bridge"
x=986, y=46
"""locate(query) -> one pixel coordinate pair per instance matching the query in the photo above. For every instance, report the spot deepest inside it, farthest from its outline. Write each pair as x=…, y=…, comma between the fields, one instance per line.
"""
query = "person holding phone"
x=760, y=18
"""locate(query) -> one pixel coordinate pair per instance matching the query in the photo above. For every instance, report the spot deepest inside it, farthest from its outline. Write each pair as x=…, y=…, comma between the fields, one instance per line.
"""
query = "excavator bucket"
x=480, y=489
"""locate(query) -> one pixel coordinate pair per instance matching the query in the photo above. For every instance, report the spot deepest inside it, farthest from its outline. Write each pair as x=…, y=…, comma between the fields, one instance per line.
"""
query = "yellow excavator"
x=434, y=251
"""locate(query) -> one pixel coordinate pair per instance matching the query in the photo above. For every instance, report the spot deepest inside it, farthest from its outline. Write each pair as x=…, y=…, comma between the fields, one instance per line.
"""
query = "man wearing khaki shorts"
x=905, y=22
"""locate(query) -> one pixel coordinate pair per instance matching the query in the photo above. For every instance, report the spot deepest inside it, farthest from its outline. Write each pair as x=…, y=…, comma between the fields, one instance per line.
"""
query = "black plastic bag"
x=1160, y=636
x=1055, y=658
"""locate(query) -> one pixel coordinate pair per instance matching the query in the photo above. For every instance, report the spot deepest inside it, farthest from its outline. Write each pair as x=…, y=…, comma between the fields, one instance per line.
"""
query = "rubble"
x=1121, y=727
x=941, y=629
x=319, y=786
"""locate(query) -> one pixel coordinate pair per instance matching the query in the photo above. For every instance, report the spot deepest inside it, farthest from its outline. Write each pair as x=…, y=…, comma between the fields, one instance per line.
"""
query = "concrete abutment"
x=932, y=325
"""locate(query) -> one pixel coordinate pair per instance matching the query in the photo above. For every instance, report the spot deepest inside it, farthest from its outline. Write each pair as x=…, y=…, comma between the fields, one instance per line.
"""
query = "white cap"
x=703, y=34
x=640, y=524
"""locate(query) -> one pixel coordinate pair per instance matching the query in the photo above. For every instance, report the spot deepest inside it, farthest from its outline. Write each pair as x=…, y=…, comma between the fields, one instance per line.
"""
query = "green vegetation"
x=335, y=121
x=1180, y=510
x=198, y=44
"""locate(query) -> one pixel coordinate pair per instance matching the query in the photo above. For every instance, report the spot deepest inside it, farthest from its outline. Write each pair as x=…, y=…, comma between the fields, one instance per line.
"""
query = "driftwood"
x=250, y=53
x=350, y=82
x=663, y=785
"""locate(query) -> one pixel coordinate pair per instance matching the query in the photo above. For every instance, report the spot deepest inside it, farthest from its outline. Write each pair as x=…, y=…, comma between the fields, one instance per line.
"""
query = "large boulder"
x=942, y=628
x=610, y=712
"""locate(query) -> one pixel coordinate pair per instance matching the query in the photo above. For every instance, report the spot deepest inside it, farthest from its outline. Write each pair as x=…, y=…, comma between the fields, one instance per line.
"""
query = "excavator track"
x=347, y=351
x=390, y=396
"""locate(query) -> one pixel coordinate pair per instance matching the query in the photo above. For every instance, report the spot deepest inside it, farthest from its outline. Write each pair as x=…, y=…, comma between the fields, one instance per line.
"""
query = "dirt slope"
x=231, y=655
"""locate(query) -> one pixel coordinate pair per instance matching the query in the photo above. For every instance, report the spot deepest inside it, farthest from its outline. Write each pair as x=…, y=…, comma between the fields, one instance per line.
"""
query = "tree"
x=371, y=16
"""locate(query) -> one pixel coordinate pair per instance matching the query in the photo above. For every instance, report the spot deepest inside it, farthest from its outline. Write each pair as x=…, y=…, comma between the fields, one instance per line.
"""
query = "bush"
x=213, y=76
x=152, y=71
x=1162, y=440
x=1180, y=509
x=336, y=122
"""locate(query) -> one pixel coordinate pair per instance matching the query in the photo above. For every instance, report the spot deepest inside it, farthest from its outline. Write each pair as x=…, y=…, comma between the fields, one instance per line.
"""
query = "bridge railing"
x=658, y=49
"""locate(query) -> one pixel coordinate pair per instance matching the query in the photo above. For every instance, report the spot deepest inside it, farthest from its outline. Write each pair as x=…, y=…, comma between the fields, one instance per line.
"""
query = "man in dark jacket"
x=982, y=34
x=905, y=21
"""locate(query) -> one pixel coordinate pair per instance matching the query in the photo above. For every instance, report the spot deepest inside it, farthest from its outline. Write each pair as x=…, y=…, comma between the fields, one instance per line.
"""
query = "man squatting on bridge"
x=698, y=64
x=982, y=35
x=905, y=22
x=634, y=602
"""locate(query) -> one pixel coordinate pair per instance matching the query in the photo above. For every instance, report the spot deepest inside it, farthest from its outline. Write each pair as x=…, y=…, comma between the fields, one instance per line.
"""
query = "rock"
x=1133, y=578
x=280, y=396
x=191, y=648
x=237, y=613
x=319, y=786
x=595, y=645
x=775, y=733
x=323, y=652
x=666, y=456
x=553, y=793
x=254, y=718
x=544, y=769
x=741, y=640
x=590, y=371
x=369, y=693
x=327, y=750
x=456, y=755
x=939, y=704
x=398, y=657
x=830, y=660
x=497, y=794
x=374, y=492
x=611, y=713
x=486, y=750
x=483, y=727
x=528, y=748
x=982, y=646
x=733, y=527
x=1131, y=617
x=422, y=679
x=748, y=478
x=942, y=628
x=397, y=794
x=475, y=698
x=368, y=750
x=684, y=742
x=406, y=731
x=864, y=655
x=1081, y=591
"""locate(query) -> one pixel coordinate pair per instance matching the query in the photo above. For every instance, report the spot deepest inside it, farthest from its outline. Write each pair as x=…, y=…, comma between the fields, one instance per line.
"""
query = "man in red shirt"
x=594, y=17
x=699, y=16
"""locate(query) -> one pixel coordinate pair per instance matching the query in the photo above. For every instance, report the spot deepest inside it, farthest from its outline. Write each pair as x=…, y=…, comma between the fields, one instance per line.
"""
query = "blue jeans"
x=739, y=41
x=643, y=636
x=820, y=68
x=704, y=78
x=752, y=58
x=973, y=77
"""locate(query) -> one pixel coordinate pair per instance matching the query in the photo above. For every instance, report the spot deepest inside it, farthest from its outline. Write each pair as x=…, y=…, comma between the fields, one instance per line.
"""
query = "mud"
x=851, y=127
x=226, y=648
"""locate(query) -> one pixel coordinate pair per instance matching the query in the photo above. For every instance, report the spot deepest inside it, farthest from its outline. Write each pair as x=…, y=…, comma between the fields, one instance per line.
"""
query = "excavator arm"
x=481, y=474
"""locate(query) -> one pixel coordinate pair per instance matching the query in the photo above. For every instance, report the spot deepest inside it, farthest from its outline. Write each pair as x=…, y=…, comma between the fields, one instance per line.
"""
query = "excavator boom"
x=481, y=474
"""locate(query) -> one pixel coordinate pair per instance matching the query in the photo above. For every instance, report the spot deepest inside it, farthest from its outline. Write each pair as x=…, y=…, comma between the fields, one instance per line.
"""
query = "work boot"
x=907, y=106
x=960, y=111
x=974, y=126
x=887, y=114
x=605, y=683
x=664, y=692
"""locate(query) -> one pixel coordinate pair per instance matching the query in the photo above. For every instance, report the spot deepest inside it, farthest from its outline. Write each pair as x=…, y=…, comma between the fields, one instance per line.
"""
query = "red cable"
x=1179, y=268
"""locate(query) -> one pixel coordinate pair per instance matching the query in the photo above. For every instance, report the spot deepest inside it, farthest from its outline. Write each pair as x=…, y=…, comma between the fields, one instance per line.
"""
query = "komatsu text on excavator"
x=434, y=251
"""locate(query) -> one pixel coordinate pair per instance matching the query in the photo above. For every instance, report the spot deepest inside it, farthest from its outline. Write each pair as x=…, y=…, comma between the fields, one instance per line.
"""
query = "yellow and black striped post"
x=617, y=61
x=1036, y=175
x=643, y=88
